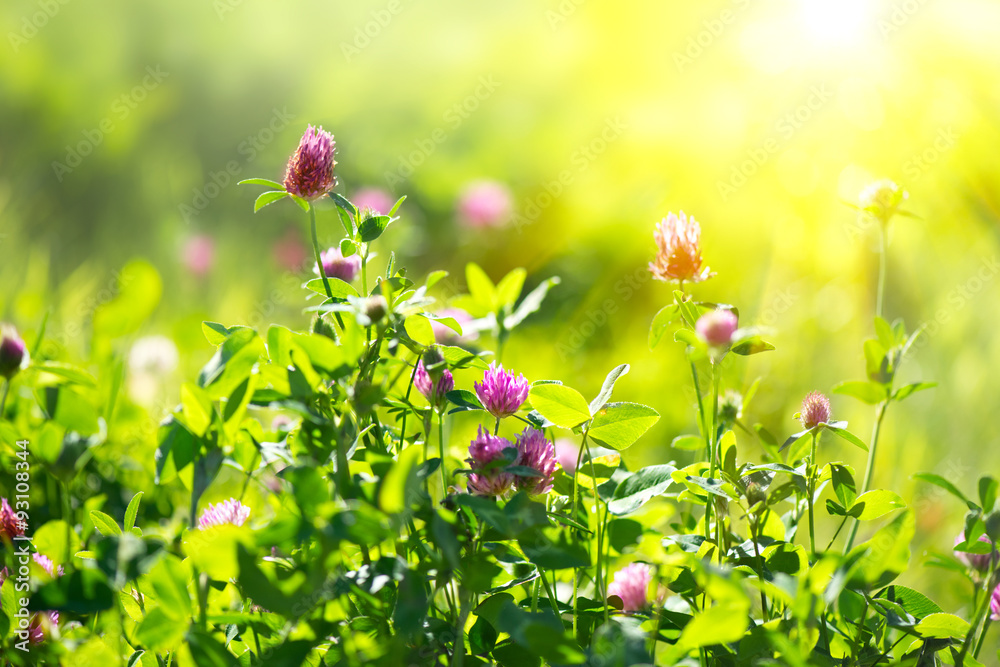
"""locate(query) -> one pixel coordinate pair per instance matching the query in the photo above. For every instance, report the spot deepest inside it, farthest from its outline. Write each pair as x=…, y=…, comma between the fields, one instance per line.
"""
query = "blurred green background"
x=760, y=118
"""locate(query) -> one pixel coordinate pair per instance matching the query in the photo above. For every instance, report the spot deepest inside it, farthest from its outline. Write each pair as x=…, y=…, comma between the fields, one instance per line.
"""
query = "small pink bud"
x=335, y=265
x=717, y=327
x=13, y=352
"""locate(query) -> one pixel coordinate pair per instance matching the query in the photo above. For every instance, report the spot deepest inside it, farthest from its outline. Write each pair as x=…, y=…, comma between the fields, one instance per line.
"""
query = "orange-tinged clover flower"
x=678, y=255
x=310, y=170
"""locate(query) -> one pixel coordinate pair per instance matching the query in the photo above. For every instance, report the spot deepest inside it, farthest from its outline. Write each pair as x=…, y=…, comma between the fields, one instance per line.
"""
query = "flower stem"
x=881, y=269
x=319, y=257
x=811, y=490
x=3, y=396
x=714, y=455
x=984, y=607
x=601, y=534
x=869, y=468
x=444, y=476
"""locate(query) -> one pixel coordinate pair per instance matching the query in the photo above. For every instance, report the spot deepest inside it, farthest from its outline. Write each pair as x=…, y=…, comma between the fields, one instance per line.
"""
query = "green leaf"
x=268, y=198
x=943, y=626
x=481, y=288
x=131, y=511
x=847, y=435
x=636, y=490
x=609, y=384
x=464, y=399
x=509, y=288
x=303, y=204
x=885, y=334
x=398, y=483
x=338, y=288
x=262, y=181
x=395, y=207
x=372, y=228
x=663, y=319
x=619, y=425
x=877, y=362
x=843, y=484
x=871, y=393
x=938, y=480
x=688, y=442
x=196, y=408
x=104, y=524
x=886, y=555
x=558, y=554
x=560, y=404
x=753, y=344
x=988, y=490
x=342, y=203
x=159, y=632
x=67, y=372
x=721, y=624
x=531, y=303
x=875, y=504
x=910, y=389
x=170, y=577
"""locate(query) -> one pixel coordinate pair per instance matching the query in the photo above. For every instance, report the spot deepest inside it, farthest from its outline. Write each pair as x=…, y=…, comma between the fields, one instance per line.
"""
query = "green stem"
x=755, y=535
x=982, y=636
x=536, y=585
x=714, y=455
x=861, y=630
x=811, y=490
x=708, y=439
x=316, y=251
x=409, y=389
x=869, y=468
x=444, y=476
x=3, y=396
x=600, y=536
x=984, y=607
x=881, y=269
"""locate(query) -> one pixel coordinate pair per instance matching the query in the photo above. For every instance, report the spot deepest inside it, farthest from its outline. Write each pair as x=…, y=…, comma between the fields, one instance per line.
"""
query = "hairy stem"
x=319, y=257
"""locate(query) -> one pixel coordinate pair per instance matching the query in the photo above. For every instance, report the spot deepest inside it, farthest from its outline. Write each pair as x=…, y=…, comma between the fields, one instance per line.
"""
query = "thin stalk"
x=984, y=607
x=600, y=536
x=409, y=389
x=319, y=257
x=881, y=269
x=537, y=584
x=869, y=468
x=444, y=476
x=811, y=490
x=755, y=534
x=576, y=505
x=458, y=657
x=982, y=636
x=3, y=395
x=550, y=593
x=708, y=439
x=714, y=454
x=861, y=630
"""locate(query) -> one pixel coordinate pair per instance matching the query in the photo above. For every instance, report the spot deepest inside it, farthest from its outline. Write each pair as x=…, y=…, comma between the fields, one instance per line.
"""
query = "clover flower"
x=678, y=256
x=484, y=450
x=995, y=604
x=815, y=410
x=631, y=584
x=979, y=562
x=717, y=327
x=882, y=199
x=13, y=352
x=445, y=334
x=198, y=255
x=42, y=621
x=310, y=170
x=10, y=525
x=536, y=452
x=231, y=512
x=484, y=204
x=433, y=389
x=500, y=392
x=335, y=265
